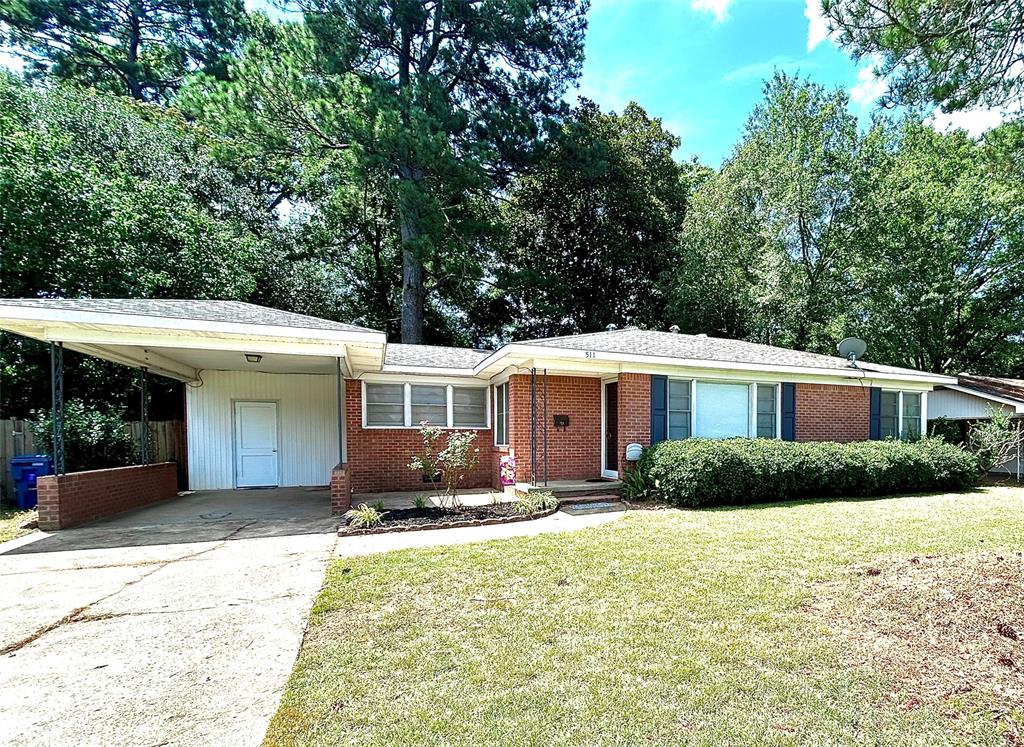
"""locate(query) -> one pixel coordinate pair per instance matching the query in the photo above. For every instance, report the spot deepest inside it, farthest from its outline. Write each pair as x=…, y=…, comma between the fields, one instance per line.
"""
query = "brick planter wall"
x=832, y=412
x=634, y=413
x=79, y=497
x=341, y=489
x=573, y=453
x=378, y=458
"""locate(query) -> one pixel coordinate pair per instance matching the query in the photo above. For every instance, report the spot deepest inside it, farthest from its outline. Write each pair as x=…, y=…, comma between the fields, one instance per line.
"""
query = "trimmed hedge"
x=705, y=472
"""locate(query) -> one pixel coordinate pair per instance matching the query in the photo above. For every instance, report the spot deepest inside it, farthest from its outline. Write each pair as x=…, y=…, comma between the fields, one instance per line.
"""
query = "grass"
x=672, y=627
x=11, y=520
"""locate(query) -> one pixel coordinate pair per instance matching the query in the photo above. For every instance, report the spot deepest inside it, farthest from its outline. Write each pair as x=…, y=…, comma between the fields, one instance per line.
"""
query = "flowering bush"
x=447, y=467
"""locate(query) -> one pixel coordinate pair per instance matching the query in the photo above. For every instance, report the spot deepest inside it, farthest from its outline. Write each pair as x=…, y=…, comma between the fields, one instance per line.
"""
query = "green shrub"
x=93, y=438
x=529, y=503
x=364, y=517
x=703, y=472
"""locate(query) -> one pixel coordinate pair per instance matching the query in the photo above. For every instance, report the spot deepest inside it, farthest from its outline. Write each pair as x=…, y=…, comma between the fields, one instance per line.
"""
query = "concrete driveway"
x=176, y=624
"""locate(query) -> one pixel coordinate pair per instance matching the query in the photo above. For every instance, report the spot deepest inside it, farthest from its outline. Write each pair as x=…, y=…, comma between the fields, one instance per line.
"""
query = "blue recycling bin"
x=24, y=471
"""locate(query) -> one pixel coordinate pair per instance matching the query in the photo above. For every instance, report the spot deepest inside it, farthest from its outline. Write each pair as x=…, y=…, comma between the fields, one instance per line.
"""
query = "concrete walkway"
x=173, y=625
x=558, y=522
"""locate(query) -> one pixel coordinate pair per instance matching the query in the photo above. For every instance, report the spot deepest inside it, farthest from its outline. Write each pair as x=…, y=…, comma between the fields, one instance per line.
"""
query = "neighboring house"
x=275, y=398
x=972, y=398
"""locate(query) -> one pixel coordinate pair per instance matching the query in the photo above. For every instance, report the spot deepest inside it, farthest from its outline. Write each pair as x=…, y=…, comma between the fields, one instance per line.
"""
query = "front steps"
x=573, y=491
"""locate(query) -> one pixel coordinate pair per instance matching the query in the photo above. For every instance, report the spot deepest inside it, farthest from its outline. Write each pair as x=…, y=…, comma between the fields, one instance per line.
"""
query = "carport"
x=264, y=394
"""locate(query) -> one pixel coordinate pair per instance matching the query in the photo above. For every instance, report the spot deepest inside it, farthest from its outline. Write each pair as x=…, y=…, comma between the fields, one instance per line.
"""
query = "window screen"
x=723, y=410
x=767, y=413
x=429, y=404
x=469, y=407
x=501, y=415
x=679, y=409
x=911, y=415
x=385, y=404
x=890, y=415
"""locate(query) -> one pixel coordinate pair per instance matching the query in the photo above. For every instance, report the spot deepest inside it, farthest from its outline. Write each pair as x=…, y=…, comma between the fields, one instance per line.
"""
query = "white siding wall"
x=947, y=403
x=307, y=425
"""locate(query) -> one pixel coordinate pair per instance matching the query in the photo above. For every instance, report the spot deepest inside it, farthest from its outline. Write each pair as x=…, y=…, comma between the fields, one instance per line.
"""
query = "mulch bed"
x=942, y=627
x=435, y=517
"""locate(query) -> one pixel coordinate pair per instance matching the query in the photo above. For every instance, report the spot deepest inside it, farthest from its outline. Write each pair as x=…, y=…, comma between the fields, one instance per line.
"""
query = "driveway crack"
x=79, y=614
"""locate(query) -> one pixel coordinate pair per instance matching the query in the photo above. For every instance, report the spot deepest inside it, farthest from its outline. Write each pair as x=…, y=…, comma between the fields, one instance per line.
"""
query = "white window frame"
x=669, y=411
x=899, y=412
x=497, y=441
x=751, y=403
x=449, y=402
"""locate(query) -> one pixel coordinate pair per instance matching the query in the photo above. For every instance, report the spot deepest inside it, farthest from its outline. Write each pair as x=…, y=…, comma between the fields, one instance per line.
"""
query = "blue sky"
x=700, y=65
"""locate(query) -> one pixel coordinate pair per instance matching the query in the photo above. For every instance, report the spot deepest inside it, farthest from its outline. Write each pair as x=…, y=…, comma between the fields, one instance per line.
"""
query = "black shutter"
x=789, y=412
x=659, y=409
x=875, y=429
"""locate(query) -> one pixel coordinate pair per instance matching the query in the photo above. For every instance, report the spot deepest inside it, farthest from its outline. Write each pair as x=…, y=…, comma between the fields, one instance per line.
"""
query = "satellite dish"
x=852, y=348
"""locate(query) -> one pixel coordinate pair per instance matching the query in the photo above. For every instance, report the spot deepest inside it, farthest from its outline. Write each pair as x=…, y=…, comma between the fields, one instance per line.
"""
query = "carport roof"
x=180, y=338
x=233, y=312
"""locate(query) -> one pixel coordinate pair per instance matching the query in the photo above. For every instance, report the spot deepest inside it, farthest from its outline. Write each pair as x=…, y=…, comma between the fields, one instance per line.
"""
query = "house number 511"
x=590, y=354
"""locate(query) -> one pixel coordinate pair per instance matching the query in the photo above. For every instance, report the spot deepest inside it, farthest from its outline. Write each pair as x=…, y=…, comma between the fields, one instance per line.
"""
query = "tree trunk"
x=413, y=291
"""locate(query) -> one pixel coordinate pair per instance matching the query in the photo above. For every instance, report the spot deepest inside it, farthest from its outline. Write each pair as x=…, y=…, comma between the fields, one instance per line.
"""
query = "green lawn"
x=11, y=520
x=670, y=627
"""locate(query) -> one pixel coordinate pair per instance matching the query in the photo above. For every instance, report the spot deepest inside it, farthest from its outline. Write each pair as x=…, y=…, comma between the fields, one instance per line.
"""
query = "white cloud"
x=817, y=24
x=11, y=62
x=762, y=70
x=869, y=86
x=975, y=121
x=718, y=8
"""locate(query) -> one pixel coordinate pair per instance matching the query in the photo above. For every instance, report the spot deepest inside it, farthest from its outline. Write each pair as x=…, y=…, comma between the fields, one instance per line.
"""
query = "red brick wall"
x=341, y=489
x=634, y=413
x=78, y=497
x=832, y=412
x=378, y=458
x=573, y=453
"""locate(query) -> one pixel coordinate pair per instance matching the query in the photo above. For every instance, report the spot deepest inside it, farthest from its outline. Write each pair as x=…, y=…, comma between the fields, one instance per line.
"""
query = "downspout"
x=545, y=426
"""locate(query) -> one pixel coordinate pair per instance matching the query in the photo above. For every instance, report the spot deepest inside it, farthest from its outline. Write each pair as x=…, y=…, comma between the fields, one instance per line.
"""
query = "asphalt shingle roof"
x=232, y=312
x=1000, y=387
x=702, y=348
x=432, y=355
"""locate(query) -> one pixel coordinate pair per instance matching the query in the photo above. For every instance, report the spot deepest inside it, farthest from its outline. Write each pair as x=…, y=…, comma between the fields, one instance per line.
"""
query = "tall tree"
x=956, y=54
x=103, y=196
x=593, y=227
x=450, y=97
x=939, y=234
x=141, y=48
x=765, y=247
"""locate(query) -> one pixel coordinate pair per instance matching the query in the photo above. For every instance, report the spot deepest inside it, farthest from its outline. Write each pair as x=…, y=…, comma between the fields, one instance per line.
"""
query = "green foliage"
x=996, y=439
x=765, y=250
x=592, y=228
x=93, y=438
x=531, y=503
x=420, y=501
x=364, y=517
x=948, y=430
x=938, y=232
x=635, y=484
x=142, y=49
x=956, y=54
x=701, y=472
x=452, y=462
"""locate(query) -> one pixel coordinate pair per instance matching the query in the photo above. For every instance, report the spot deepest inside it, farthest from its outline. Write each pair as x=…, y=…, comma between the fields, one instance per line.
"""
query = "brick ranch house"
x=281, y=399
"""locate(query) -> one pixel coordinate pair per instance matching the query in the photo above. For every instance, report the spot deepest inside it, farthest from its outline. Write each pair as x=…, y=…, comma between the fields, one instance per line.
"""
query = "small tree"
x=452, y=463
x=996, y=440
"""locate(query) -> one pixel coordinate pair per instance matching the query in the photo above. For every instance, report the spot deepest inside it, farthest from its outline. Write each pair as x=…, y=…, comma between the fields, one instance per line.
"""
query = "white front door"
x=256, y=462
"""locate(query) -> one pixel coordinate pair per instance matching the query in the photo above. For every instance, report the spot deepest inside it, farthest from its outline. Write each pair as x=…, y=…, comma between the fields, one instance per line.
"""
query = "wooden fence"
x=167, y=444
